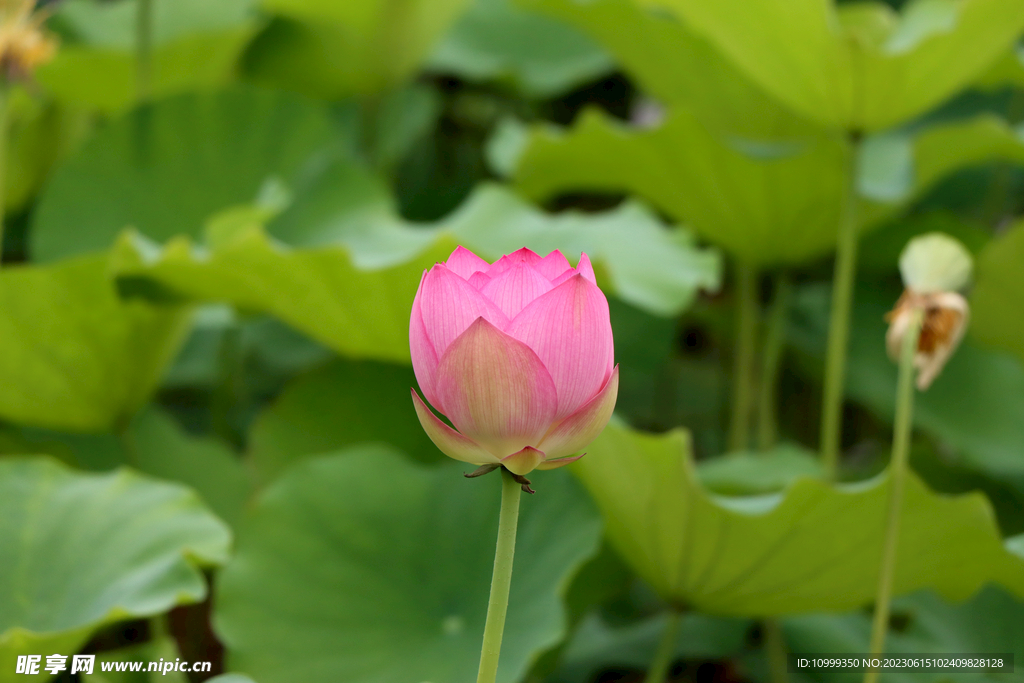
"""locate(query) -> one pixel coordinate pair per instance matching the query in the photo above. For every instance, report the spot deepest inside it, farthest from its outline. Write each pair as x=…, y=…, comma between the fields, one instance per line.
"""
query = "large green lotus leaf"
x=319, y=291
x=41, y=133
x=196, y=45
x=976, y=406
x=790, y=48
x=1006, y=71
x=188, y=64
x=159, y=447
x=223, y=342
x=766, y=203
x=997, y=302
x=676, y=66
x=782, y=209
x=355, y=297
x=991, y=621
x=495, y=40
x=815, y=546
x=164, y=169
x=333, y=49
x=365, y=567
x=860, y=66
x=340, y=405
x=597, y=645
x=78, y=551
x=112, y=25
x=941, y=149
x=647, y=265
x=73, y=355
x=749, y=472
x=153, y=444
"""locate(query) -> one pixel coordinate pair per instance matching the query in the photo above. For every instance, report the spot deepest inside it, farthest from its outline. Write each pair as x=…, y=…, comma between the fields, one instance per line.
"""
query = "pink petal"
x=579, y=429
x=464, y=263
x=424, y=357
x=553, y=265
x=495, y=390
x=571, y=332
x=478, y=280
x=449, y=305
x=564, y=277
x=524, y=461
x=523, y=255
x=586, y=269
x=447, y=440
x=516, y=287
x=558, y=462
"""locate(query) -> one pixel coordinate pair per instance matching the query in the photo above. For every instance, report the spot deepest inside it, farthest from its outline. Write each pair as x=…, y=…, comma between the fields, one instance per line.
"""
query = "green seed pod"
x=935, y=262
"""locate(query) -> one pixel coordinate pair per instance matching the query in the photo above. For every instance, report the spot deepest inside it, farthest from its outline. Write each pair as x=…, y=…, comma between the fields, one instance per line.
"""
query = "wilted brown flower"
x=942, y=328
x=24, y=44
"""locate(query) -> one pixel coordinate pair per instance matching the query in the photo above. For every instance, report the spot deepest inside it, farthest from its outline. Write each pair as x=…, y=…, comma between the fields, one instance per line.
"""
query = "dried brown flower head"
x=24, y=43
x=943, y=325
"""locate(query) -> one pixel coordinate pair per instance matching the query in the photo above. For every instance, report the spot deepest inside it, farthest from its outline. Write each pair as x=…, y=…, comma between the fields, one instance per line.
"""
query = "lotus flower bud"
x=935, y=263
x=933, y=267
x=517, y=354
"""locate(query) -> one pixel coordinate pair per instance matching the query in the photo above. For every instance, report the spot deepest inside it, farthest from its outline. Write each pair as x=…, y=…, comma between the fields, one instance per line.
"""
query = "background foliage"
x=207, y=449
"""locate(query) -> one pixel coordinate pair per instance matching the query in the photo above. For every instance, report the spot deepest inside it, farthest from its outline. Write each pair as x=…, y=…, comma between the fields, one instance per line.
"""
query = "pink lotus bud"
x=517, y=354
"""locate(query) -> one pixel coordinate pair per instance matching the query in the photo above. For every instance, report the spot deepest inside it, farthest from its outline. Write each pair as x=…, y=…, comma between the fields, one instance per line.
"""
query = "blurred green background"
x=216, y=215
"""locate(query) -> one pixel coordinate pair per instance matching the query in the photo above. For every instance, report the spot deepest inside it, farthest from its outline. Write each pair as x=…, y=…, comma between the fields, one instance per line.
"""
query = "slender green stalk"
x=897, y=478
x=501, y=579
x=144, y=50
x=5, y=114
x=743, y=367
x=775, y=649
x=666, y=648
x=774, y=342
x=839, y=318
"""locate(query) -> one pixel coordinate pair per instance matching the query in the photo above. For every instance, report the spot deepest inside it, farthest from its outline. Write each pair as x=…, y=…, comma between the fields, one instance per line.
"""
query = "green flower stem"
x=839, y=319
x=666, y=648
x=897, y=478
x=501, y=579
x=775, y=649
x=774, y=343
x=144, y=49
x=746, y=349
x=5, y=125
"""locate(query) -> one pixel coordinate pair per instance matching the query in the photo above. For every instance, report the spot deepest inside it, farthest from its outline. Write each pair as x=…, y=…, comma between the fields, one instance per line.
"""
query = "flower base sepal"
x=523, y=461
x=481, y=471
x=555, y=463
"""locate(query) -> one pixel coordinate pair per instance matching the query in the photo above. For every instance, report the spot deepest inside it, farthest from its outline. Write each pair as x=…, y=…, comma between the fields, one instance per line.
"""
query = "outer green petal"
x=558, y=462
x=449, y=441
x=524, y=461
